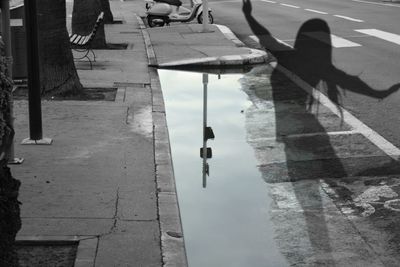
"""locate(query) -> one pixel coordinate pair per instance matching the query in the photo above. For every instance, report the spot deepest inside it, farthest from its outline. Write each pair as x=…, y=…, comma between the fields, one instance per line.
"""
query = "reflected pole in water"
x=205, y=165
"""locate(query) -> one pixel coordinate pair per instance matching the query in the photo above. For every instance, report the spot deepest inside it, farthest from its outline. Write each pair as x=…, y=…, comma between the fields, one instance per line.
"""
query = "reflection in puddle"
x=228, y=222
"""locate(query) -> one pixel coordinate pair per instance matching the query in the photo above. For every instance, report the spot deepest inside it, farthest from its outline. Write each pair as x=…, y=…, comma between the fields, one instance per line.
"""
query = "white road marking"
x=335, y=41
x=272, y=2
x=348, y=18
x=373, y=3
x=287, y=5
x=307, y=135
x=357, y=125
x=316, y=11
x=387, y=36
x=256, y=39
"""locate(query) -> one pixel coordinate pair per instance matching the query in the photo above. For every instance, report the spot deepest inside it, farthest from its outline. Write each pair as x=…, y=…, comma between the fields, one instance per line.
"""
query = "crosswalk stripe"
x=316, y=11
x=335, y=41
x=289, y=47
x=387, y=36
x=373, y=3
x=287, y=5
x=348, y=18
x=272, y=2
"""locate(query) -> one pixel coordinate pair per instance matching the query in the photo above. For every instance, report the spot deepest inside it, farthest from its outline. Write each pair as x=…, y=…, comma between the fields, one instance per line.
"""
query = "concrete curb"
x=230, y=35
x=255, y=57
x=172, y=240
x=151, y=55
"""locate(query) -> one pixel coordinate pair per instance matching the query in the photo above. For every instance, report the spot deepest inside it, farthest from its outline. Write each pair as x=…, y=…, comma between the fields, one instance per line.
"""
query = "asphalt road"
x=366, y=44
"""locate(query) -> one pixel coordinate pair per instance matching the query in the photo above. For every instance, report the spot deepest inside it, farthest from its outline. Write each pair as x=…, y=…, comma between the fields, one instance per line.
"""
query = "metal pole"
x=205, y=82
x=35, y=109
x=205, y=15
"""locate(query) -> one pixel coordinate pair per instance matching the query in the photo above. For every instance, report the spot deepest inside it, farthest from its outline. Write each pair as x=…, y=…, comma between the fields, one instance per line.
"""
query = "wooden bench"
x=82, y=43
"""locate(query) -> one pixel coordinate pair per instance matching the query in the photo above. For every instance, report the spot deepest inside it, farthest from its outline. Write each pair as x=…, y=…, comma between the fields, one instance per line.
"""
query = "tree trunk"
x=108, y=16
x=10, y=220
x=58, y=74
x=84, y=16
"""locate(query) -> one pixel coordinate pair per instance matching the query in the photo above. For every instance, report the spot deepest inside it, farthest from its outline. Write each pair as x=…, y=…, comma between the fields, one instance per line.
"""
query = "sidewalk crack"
x=115, y=217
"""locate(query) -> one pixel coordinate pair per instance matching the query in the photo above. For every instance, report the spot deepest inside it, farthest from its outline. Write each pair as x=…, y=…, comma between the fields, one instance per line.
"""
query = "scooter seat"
x=170, y=2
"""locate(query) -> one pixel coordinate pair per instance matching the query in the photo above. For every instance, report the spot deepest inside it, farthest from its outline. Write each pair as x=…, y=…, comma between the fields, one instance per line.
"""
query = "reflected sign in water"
x=228, y=222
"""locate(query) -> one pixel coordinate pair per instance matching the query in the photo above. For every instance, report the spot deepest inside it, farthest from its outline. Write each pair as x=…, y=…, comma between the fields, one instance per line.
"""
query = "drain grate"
x=137, y=85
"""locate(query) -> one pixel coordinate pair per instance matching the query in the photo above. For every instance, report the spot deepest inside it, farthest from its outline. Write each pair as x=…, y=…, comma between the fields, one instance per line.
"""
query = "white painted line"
x=256, y=39
x=348, y=18
x=272, y=2
x=316, y=11
x=289, y=5
x=373, y=3
x=230, y=35
x=335, y=41
x=387, y=36
x=290, y=136
x=283, y=42
x=357, y=125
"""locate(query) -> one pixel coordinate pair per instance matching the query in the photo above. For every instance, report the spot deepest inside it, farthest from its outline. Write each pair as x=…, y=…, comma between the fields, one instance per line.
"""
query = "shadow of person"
x=308, y=149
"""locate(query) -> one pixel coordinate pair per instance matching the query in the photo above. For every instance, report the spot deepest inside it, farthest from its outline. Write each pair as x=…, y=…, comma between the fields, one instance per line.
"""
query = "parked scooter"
x=163, y=12
x=176, y=4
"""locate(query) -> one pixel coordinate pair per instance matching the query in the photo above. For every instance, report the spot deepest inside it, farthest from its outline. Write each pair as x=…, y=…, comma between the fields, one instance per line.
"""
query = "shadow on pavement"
x=311, y=60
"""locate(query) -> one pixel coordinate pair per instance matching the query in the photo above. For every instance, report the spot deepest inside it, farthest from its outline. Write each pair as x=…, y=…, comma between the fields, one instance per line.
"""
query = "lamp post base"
x=15, y=161
x=43, y=141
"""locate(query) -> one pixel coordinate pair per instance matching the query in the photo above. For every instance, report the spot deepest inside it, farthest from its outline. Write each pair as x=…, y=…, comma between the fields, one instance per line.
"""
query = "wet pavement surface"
x=290, y=183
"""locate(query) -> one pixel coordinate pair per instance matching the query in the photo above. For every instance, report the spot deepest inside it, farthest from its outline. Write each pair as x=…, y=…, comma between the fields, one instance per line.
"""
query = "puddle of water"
x=228, y=222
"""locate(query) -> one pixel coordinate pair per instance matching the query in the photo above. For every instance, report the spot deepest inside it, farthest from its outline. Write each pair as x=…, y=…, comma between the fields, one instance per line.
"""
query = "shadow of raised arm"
x=264, y=36
x=355, y=84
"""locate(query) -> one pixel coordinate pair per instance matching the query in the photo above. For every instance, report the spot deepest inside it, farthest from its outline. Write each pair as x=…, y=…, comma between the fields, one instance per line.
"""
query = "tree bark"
x=58, y=74
x=10, y=220
x=108, y=16
x=84, y=16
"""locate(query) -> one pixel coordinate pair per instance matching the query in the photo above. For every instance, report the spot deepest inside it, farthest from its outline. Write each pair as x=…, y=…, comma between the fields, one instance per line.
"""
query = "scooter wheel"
x=210, y=18
x=154, y=21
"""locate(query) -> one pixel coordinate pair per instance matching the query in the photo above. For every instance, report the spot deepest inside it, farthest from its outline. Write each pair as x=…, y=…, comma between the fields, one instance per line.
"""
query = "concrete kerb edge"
x=87, y=246
x=172, y=240
x=255, y=57
x=151, y=55
x=230, y=35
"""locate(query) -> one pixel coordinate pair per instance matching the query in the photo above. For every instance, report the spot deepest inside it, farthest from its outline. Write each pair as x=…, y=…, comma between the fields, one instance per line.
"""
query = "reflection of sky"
x=226, y=224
